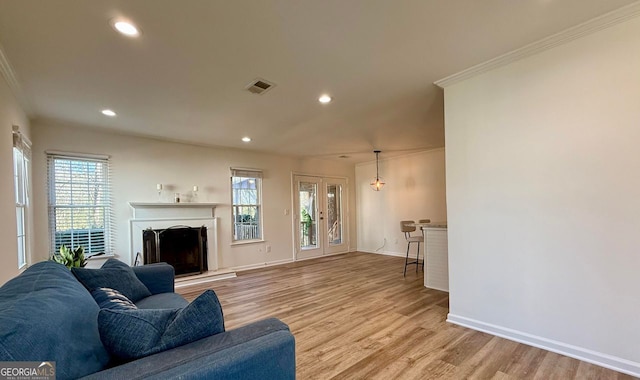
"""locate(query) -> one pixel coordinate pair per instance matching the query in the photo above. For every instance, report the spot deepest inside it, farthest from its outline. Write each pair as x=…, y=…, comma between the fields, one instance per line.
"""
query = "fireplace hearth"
x=183, y=247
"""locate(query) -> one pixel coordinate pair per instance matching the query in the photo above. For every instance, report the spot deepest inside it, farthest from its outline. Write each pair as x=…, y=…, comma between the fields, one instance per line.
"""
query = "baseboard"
x=288, y=261
x=386, y=253
x=262, y=265
x=319, y=257
x=612, y=362
x=279, y=262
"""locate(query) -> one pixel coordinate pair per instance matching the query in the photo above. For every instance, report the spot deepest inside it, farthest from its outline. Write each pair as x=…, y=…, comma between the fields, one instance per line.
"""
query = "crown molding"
x=10, y=76
x=601, y=22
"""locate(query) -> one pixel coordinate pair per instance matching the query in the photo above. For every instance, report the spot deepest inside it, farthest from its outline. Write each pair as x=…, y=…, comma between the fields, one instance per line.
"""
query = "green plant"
x=69, y=257
x=306, y=222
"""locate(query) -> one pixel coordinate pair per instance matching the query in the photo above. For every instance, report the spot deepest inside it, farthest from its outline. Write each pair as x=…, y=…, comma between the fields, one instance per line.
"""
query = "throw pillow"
x=132, y=334
x=114, y=274
x=107, y=298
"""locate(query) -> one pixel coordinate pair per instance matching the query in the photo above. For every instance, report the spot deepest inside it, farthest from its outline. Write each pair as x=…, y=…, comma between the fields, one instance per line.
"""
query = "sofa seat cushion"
x=163, y=301
x=132, y=334
x=47, y=315
x=114, y=274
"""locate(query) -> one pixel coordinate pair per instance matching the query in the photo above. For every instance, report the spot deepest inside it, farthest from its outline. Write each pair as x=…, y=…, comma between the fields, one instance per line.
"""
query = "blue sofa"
x=47, y=315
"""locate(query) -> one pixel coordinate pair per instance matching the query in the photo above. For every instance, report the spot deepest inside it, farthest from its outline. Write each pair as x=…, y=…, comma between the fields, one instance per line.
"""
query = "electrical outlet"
x=286, y=211
x=268, y=248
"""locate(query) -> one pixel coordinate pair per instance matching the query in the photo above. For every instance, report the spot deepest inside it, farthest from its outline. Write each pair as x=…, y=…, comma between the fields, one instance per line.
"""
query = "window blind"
x=80, y=205
x=246, y=173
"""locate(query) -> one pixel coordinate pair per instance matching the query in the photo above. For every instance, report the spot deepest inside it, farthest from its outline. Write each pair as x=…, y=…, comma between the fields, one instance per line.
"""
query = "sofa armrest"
x=261, y=350
x=157, y=277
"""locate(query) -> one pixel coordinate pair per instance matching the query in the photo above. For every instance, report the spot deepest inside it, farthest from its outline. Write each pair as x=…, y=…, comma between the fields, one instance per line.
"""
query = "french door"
x=319, y=216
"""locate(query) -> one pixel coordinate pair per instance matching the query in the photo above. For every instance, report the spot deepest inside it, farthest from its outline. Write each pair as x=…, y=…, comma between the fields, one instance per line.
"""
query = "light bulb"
x=324, y=99
x=125, y=27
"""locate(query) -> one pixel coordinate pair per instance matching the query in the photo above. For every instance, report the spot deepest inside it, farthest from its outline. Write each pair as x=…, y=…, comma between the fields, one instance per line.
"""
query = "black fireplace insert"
x=183, y=247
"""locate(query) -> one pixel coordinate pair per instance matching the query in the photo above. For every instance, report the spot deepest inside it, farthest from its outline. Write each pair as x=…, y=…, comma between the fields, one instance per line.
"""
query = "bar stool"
x=407, y=230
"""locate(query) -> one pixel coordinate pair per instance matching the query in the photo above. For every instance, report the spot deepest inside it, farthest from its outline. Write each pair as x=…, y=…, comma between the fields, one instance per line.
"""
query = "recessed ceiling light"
x=108, y=112
x=246, y=139
x=125, y=27
x=324, y=99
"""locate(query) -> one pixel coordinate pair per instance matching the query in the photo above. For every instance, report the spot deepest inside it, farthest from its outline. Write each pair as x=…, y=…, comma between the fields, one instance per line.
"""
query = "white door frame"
x=324, y=248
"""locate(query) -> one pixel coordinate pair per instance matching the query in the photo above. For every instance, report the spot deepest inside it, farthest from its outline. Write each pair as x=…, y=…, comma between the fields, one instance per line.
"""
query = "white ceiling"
x=184, y=78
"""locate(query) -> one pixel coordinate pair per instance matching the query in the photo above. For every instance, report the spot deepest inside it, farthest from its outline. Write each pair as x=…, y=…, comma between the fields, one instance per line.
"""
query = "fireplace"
x=183, y=247
x=158, y=217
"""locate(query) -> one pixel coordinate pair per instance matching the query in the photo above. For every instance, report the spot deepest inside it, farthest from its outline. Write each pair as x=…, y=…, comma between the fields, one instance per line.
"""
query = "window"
x=246, y=209
x=21, y=161
x=79, y=203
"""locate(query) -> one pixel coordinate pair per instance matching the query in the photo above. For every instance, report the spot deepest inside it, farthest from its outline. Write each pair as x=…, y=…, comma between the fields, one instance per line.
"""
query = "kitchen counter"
x=431, y=225
x=436, y=268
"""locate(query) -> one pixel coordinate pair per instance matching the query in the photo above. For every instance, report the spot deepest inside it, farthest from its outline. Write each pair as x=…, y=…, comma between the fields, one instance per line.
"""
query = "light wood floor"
x=355, y=317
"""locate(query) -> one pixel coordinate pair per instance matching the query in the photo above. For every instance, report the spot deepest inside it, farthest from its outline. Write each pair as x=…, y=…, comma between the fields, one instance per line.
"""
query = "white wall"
x=415, y=189
x=139, y=164
x=543, y=191
x=10, y=114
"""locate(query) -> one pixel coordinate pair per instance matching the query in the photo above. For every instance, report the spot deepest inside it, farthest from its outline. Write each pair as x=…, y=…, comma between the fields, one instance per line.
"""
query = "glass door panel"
x=337, y=240
x=308, y=226
x=334, y=214
x=307, y=217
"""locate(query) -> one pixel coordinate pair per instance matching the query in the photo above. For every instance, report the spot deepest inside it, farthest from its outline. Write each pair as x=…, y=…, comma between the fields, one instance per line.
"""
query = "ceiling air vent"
x=259, y=86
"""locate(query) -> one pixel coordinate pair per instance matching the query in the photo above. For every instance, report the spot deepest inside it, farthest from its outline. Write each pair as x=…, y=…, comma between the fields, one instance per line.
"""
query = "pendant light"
x=377, y=183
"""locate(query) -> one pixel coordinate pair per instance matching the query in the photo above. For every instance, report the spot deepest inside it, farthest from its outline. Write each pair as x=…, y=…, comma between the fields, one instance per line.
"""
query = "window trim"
x=247, y=173
x=109, y=232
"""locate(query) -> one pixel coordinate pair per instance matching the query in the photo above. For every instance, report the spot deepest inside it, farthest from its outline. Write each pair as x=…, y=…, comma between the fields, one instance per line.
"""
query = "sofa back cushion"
x=113, y=274
x=47, y=315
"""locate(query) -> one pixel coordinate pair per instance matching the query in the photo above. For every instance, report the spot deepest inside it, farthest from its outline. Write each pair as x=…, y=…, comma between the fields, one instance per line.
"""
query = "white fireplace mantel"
x=164, y=215
x=144, y=210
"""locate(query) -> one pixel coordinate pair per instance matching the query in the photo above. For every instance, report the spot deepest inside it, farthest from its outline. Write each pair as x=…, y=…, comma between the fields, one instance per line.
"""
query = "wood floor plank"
x=355, y=316
x=524, y=362
x=485, y=363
